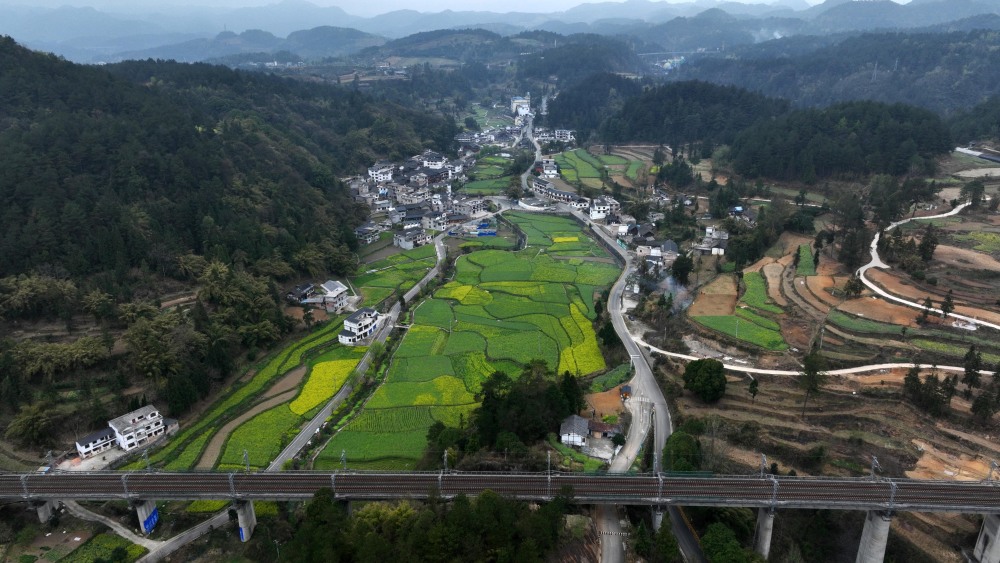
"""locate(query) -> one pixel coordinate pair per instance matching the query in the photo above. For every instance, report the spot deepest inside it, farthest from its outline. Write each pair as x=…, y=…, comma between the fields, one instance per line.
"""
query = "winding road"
x=876, y=262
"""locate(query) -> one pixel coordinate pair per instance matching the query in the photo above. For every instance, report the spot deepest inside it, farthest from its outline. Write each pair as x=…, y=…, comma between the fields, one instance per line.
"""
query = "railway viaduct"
x=882, y=498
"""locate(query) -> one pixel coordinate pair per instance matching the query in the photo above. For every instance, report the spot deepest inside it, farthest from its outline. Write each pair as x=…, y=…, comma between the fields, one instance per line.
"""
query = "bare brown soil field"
x=806, y=295
x=896, y=286
x=818, y=285
x=297, y=312
x=715, y=299
x=289, y=381
x=937, y=464
x=758, y=265
x=966, y=259
x=787, y=242
x=608, y=402
x=880, y=310
x=772, y=272
x=796, y=333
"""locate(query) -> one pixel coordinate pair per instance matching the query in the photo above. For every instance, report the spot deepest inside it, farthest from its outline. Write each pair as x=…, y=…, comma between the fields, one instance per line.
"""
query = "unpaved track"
x=215, y=445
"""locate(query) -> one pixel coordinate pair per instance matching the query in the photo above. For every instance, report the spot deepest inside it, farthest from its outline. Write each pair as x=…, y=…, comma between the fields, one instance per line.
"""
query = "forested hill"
x=849, y=140
x=131, y=166
x=939, y=71
x=688, y=111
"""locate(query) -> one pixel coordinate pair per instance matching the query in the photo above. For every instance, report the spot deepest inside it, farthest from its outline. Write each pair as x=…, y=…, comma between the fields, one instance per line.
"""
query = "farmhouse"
x=332, y=295
x=96, y=442
x=137, y=427
x=573, y=430
x=409, y=239
x=469, y=207
x=358, y=326
x=300, y=292
x=432, y=160
x=600, y=429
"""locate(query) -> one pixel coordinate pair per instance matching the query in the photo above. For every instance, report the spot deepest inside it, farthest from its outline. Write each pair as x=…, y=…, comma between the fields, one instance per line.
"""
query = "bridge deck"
x=647, y=489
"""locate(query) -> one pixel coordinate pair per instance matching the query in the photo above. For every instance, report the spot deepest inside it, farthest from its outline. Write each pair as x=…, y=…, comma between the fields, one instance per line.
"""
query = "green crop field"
x=634, y=167
x=745, y=330
x=501, y=310
x=611, y=379
x=262, y=437
x=982, y=241
x=487, y=187
x=806, y=267
x=612, y=160
x=104, y=547
x=756, y=293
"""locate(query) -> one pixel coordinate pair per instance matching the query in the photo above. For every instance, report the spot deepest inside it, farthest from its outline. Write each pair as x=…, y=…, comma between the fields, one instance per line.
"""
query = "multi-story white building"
x=433, y=160
x=331, y=295
x=359, y=326
x=137, y=427
x=563, y=134
x=520, y=106
x=382, y=171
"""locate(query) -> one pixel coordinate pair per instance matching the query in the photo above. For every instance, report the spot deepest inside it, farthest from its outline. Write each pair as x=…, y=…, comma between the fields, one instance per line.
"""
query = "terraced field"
x=750, y=321
x=502, y=310
x=263, y=435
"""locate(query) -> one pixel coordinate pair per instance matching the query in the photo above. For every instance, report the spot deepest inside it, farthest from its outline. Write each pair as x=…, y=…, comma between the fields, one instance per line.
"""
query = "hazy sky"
x=366, y=8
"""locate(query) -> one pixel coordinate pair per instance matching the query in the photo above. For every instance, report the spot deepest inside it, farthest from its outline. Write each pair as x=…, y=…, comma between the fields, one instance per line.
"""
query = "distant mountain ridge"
x=90, y=35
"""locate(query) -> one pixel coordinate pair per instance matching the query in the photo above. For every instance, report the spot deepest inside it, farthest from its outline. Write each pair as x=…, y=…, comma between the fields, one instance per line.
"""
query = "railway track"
x=629, y=489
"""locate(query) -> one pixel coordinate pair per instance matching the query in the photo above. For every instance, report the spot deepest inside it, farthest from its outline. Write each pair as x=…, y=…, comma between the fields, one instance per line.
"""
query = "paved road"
x=84, y=514
x=158, y=552
x=646, y=405
x=876, y=262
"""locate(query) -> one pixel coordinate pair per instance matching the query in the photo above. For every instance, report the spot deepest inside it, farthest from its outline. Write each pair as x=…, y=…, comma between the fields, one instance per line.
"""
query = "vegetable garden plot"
x=756, y=293
x=461, y=341
x=421, y=341
x=400, y=419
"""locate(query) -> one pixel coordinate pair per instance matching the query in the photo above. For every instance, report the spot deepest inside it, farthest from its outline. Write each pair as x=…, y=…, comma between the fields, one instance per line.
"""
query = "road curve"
x=876, y=262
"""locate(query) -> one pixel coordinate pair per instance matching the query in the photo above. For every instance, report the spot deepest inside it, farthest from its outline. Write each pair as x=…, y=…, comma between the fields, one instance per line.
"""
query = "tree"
x=973, y=191
x=948, y=305
x=912, y=385
x=928, y=243
x=854, y=286
x=682, y=268
x=925, y=310
x=682, y=452
x=706, y=378
x=32, y=426
x=754, y=386
x=813, y=376
x=973, y=362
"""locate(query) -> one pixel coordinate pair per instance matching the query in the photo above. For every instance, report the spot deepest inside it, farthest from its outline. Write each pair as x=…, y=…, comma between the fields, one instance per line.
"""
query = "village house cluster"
x=411, y=198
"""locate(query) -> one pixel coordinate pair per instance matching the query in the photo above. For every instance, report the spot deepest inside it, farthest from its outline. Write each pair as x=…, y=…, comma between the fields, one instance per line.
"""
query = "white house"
x=408, y=239
x=435, y=220
x=470, y=207
x=599, y=209
x=95, y=443
x=564, y=135
x=521, y=105
x=332, y=295
x=433, y=160
x=137, y=427
x=573, y=430
x=358, y=326
x=382, y=171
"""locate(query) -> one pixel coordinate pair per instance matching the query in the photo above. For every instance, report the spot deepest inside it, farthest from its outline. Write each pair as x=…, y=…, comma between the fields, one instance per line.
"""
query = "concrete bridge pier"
x=246, y=517
x=988, y=544
x=45, y=509
x=874, y=537
x=765, y=527
x=148, y=515
x=658, y=518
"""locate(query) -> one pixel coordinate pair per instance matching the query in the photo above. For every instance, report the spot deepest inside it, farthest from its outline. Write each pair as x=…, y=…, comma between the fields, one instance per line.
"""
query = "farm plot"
x=807, y=266
x=756, y=294
x=502, y=310
x=746, y=331
x=186, y=447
